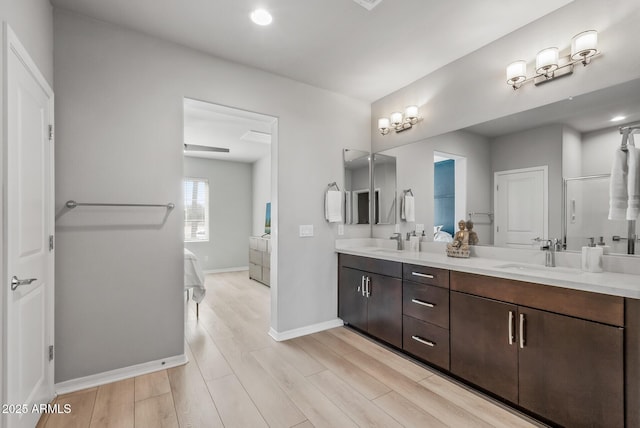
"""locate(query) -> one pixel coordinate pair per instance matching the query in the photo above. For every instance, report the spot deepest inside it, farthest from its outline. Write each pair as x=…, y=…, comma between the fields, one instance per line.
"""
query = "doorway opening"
x=449, y=192
x=229, y=204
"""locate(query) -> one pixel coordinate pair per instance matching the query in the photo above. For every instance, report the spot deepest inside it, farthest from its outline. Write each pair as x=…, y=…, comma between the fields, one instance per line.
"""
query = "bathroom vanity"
x=560, y=344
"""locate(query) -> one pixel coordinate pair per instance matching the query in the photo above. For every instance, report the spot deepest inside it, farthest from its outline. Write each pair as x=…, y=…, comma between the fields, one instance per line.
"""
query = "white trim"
x=119, y=374
x=231, y=269
x=303, y=331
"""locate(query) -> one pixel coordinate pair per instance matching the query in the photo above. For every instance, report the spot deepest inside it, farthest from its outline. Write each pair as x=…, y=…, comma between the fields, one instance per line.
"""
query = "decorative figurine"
x=460, y=245
x=473, y=236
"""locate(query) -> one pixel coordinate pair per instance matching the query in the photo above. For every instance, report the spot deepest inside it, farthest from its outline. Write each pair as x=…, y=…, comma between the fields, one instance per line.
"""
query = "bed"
x=193, y=279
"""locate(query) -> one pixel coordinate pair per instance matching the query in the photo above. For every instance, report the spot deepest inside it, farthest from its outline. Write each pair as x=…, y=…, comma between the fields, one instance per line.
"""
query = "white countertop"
x=522, y=266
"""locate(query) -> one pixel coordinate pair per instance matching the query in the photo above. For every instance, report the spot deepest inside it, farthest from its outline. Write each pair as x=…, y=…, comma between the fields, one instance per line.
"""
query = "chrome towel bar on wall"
x=72, y=204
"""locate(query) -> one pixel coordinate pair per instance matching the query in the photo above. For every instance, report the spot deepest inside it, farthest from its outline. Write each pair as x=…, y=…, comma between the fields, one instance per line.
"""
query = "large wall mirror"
x=539, y=173
x=384, y=186
x=356, y=186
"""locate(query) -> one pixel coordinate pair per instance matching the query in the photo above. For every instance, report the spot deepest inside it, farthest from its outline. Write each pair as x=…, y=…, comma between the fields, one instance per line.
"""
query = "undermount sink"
x=535, y=268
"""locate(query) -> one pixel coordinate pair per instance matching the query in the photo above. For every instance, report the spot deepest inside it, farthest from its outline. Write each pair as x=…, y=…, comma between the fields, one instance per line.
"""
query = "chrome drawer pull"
x=423, y=303
x=422, y=275
x=423, y=341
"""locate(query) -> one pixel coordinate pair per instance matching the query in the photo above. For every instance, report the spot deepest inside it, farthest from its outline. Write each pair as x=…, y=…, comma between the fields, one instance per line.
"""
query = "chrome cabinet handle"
x=423, y=341
x=422, y=275
x=423, y=303
x=511, y=338
x=522, y=339
x=368, y=283
x=15, y=282
x=361, y=288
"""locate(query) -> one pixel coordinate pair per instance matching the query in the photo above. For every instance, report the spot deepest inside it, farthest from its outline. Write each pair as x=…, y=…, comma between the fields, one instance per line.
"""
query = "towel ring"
x=331, y=185
x=407, y=192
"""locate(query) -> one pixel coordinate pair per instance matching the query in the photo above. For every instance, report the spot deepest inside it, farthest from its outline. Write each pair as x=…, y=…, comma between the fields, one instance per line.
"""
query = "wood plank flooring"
x=237, y=376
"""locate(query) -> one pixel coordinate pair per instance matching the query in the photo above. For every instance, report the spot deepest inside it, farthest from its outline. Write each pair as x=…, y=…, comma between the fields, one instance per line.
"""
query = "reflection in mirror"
x=586, y=210
x=576, y=139
x=449, y=194
x=356, y=186
x=385, y=189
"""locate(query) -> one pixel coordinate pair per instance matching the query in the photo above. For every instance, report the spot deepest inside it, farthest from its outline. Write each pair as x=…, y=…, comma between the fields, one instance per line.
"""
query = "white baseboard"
x=231, y=269
x=119, y=374
x=303, y=331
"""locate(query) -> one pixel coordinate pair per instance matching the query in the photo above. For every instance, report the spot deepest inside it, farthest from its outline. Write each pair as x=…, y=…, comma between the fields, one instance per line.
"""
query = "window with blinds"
x=196, y=209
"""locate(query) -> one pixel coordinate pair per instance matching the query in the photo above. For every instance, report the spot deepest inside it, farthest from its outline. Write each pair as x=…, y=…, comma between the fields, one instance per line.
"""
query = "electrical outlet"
x=306, y=230
x=340, y=229
x=419, y=228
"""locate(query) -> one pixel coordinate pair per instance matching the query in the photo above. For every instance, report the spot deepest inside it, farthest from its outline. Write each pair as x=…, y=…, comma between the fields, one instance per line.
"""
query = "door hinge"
x=51, y=353
x=497, y=187
x=50, y=242
x=497, y=228
x=50, y=132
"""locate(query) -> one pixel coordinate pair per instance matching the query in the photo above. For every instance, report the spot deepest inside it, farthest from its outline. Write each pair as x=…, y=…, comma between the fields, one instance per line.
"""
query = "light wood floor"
x=239, y=377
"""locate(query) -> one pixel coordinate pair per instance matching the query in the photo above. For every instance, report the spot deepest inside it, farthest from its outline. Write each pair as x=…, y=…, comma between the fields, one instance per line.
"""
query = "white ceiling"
x=332, y=44
x=213, y=125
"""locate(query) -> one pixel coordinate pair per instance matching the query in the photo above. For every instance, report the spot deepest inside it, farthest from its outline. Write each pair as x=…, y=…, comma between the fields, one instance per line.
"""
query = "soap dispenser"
x=592, y=257
x=605, y=248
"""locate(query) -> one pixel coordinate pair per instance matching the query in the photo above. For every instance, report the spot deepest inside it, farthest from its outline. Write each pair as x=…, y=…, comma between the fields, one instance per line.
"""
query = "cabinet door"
x=385, y=308
x=571, y=370
x=352, y=304
x=483, y=345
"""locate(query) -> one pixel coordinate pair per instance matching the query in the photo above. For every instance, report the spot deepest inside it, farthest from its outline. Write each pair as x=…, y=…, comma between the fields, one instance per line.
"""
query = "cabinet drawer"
x=266, y=260
x=426, y=341
x=266, y=276
x=576, y=303
x=255, y=272
x=255, y=257
x=253, y=243
x=426, y=303
x=426, y=275
x=263, y=244
x=367, y=264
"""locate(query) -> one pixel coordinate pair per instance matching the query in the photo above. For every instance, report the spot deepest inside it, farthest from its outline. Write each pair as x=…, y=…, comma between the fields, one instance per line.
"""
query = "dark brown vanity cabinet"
x=370, y=296
x=425, y=308
x=562, y=359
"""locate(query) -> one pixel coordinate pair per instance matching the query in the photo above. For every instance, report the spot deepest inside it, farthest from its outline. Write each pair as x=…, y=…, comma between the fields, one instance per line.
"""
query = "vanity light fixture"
x=549, y=65
x=398, y=122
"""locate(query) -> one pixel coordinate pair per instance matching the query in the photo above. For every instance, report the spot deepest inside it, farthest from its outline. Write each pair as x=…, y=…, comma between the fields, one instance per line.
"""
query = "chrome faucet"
x=398, y=238
x=550, y=247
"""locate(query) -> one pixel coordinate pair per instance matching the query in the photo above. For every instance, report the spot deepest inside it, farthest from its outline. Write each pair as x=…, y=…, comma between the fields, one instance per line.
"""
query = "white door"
x=520, y=198
x=29, y=216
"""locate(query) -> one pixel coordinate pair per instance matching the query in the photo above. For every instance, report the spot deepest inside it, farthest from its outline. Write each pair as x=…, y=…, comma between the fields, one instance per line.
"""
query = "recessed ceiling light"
x=618, y=118
x=261, y=17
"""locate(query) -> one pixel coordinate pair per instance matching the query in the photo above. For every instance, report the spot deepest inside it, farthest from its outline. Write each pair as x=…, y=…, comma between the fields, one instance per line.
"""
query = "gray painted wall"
x=598, y=148
x=534, y=147
x=261, y=178
x=230, y=212
x=571, y=152
x=119, y=106
x=473, y=89
x=32, y=21
x=414, y=164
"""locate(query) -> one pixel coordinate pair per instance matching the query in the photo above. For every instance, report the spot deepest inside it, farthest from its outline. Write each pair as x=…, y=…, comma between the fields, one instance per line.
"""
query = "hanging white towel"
x=409, y=208
x=333, y=206
x=618, y=195
x=633, y=179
